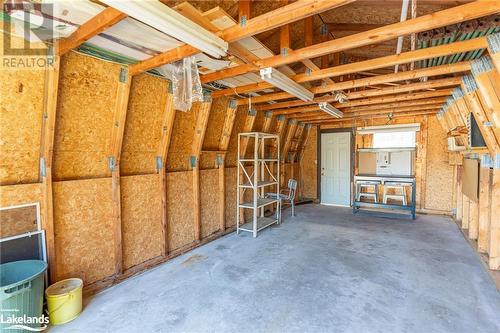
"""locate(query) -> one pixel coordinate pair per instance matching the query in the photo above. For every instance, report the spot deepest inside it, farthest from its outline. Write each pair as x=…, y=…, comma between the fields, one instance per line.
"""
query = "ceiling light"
x=168, y=21
x=328, y=108
x=280, y=80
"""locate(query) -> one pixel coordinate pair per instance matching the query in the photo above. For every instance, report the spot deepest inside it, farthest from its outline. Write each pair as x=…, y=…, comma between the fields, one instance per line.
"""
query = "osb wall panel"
x=86, y=99
x=230, y=182
x=141, y=218
x=13, y=195
x=180, y=205
x=182, y=138
x=439, y=179
x=147, y=103
x=239, y=122
x=209, y=201
x=309, y=167
x=21, y=110
x=215, y=123
x=208, y=160
x=83, y=227
x=257, y=127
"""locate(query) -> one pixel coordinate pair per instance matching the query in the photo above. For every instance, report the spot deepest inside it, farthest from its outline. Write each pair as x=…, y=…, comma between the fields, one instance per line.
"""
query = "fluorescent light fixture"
x=168, y=21
x=280, y=80
x=414, y=127
x=328, y=108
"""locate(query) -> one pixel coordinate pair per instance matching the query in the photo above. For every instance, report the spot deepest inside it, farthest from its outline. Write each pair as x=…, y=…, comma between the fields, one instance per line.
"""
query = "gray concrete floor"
x=323, y=271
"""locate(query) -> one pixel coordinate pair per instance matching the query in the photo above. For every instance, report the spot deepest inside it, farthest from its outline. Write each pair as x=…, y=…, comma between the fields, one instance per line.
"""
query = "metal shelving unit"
x=256, y=175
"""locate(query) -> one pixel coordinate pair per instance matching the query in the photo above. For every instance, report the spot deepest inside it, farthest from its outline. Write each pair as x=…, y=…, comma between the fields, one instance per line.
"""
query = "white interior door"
x=336, y=169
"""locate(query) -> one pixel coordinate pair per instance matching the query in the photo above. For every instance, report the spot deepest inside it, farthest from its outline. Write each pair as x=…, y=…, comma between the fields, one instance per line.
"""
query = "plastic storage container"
x=21, y=295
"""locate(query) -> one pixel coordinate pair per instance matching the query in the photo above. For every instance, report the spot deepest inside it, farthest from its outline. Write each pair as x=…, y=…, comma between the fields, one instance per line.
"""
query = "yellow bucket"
x=64, y=300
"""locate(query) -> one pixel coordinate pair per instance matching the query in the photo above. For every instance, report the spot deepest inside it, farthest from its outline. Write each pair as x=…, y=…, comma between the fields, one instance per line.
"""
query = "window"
x=394, y=139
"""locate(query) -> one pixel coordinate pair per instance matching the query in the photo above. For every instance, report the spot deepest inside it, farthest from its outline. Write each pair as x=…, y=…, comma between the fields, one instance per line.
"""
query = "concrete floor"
x=323, y=271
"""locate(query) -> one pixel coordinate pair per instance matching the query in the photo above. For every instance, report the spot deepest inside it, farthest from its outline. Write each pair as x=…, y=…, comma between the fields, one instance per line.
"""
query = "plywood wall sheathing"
x=215, y=124
x=21, y=114
x=86, y=102
x=308, y=165
x=239, y=123
x=230, y=181
x=18, y=220
x=182, y=137
x=14, y=195
x=84, y=229
x=180, y=207
x=209, y=202
x=141, y=216
x=439, y=184
x=143, y=128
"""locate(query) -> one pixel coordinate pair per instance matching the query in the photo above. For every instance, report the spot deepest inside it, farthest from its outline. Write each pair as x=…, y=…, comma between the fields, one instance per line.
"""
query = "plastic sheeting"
x=186, y=82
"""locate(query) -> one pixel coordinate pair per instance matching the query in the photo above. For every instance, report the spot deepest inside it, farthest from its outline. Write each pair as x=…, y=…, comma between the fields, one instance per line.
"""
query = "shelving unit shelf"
x=258, y=174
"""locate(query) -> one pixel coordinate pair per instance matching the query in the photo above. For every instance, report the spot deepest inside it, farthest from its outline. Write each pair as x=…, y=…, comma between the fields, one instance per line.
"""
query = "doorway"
x=336, y=168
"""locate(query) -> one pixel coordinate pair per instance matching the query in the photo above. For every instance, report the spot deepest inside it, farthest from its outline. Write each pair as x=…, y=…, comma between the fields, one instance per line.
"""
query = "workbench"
x=382, y=179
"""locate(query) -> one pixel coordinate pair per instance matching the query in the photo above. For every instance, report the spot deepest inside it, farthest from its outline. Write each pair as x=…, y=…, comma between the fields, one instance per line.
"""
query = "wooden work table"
x=382, y=179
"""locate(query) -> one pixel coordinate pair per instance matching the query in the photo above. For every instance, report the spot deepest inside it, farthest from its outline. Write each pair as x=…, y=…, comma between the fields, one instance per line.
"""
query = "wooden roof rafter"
x=273, y=19
x=439, y=19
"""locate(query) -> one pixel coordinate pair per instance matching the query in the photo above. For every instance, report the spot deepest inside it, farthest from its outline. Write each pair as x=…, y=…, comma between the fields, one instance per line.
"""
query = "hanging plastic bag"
x=186, y=82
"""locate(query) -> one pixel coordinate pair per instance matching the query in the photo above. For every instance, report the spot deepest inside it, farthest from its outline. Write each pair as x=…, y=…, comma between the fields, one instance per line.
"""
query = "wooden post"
x=119, y=118
x=473, y=219
x=494, y=234
x=459, y=195
x=223, y=145
x=494, y=49
x=268, y=116
x=161, y=156
x=422, y=158
x=199, y=135
x=284, y=37
x=465, y=214
x=288, y=140
x=46, y=154
x=484, y=203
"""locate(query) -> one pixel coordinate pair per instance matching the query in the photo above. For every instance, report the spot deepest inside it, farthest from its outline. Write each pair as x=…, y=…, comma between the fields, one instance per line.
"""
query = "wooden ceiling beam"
x=374, y=116
x=91, y=28
x=288, y=14
x=423, y=23
x=366, y=65
x=441, y=83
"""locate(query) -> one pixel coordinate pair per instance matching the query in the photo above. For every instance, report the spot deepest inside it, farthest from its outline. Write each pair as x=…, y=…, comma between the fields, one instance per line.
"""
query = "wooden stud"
x=223, y=145
x=46, y=155
x=473, y=219
x=465, y=212
x=166, y=136
x=243, y=12
x=494, y=231
x=199, y=135
x=422, y=157
x=292, y=127
x=119, y=118
x=308, y=31
x=484, y=205
x=459, y=195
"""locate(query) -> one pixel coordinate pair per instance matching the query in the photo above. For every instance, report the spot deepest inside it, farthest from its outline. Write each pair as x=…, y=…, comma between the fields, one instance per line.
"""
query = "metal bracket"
x=219, y=160
x=324, y=30
x=281, y=117
x=268, y=114
x=486, y=161
x=43, y=170
x=308, y=126
x=292, y=121
x=488, y=124
x=308, y=71
x=289, y=158
x=170, y=87
x=159, y=163
x=232, y=104
x=496, y=164
x=284, y=51
x=111, y=163
x=192, y=161
x=243, y=21
x=123, y=75
x=207, y=96
x=252, y=112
